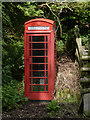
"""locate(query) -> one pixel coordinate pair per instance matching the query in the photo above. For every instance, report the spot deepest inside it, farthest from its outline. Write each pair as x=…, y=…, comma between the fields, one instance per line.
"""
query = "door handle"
x=27, y=58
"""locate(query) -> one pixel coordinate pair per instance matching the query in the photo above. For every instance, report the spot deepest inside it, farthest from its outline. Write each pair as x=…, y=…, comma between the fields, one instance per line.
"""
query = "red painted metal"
x=49, y=66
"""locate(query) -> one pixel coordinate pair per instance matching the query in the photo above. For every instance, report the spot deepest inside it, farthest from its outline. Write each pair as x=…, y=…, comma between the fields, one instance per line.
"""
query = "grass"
x=68, y=96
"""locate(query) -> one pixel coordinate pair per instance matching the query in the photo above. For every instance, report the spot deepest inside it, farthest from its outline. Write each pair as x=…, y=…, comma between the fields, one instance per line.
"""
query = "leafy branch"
x=59, y=22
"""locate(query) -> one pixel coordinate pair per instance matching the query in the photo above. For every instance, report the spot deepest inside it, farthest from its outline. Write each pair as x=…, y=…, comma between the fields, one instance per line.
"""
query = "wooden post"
x=84, y=67
x=86, y=99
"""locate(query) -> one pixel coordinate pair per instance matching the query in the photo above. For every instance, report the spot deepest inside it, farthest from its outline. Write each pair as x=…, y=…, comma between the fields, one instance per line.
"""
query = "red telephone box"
x=40, y=59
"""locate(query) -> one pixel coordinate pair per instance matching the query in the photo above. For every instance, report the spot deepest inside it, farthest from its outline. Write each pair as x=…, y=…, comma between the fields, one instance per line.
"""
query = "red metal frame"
x=51, y=57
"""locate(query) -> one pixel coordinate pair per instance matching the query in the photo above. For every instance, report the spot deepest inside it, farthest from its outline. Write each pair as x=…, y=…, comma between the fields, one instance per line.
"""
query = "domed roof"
x=40, y=19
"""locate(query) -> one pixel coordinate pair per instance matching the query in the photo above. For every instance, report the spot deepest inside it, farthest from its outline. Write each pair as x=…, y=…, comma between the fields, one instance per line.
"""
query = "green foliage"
x=70, y=42
x=53, y=106
x=68, y=96
x=60, y=47
x=85, y=41
x=12, y=43
x=12, y=60
x=31, y=10
x=12, y=96
x=69, y=14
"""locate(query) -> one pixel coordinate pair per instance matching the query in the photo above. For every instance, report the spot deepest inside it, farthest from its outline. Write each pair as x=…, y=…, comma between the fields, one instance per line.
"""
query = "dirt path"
x=38, y=110
x=29, y=110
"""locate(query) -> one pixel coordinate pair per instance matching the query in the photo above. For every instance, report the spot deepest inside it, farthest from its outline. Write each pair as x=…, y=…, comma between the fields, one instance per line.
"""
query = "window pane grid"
x=38, y=53
x=37, y=45
x=38, y=88
x=38, y=70
x=37, y=49
x=38, y=74
x=37, y=42
x=37, y=77
x=40, y=81
x=38, y=63
x=37, y=38
x=35, y=66
x=39, y=84
x=40, y=56
x=38, y=60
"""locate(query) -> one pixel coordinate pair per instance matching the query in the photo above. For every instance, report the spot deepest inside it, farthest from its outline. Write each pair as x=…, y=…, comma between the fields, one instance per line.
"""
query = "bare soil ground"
x=38, y=110
x=67, y=78
x=67, y=82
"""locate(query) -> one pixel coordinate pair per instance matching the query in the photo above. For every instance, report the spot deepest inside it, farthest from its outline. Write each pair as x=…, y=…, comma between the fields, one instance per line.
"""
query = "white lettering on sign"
x=38, y=28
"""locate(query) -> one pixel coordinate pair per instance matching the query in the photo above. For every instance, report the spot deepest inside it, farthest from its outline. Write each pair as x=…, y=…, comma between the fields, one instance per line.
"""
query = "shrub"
x=53, y=106
x=12, y=97
x=60, y=47
x=85, y=41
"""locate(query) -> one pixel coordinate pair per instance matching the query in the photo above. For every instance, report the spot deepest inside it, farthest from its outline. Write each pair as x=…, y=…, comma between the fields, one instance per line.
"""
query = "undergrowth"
x=53, y=106
x=13, y=95
x=85, y=41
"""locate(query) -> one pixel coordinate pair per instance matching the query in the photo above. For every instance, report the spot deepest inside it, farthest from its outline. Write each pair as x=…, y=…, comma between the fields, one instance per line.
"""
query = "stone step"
x=86, y=104
x=85, y=90
x=86, y=65
x=85, y=57
x=85, y=69
x=85, y=52
x=84, y=80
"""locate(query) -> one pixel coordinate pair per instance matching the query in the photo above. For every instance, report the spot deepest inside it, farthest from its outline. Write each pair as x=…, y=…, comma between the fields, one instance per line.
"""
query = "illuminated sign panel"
x=38, y=28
